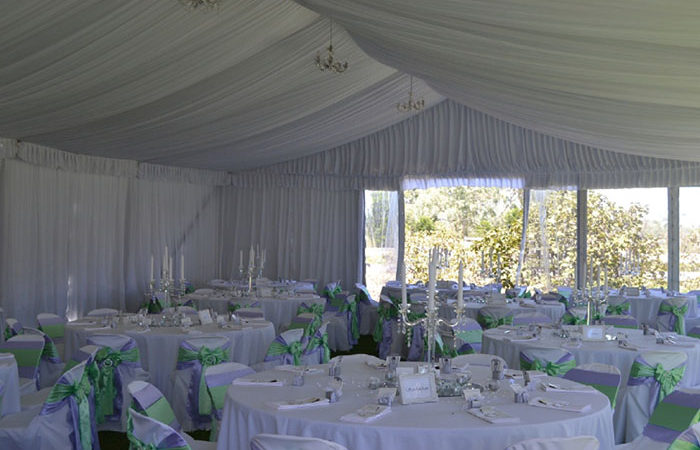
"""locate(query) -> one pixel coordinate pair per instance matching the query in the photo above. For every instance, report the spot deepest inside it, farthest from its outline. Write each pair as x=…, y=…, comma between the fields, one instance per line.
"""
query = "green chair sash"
x=321, y=341
x=384, y=312
x=618, y=310
x=295, y=349
x=314, y=308
x=354, y=322
x=80, y=391
x=679, y=312
x=206, y=357
x=570, y=319
x=667, y=379
x=551, y=368
x=54, y=331
x=108, y=361
x=488, y=322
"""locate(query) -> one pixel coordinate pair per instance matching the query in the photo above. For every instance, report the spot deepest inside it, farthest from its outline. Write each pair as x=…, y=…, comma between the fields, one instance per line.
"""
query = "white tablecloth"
x=495, y=342
x=645, y=309
x=441, y=425
x=158, y=347
x=9, y=377
x=552, y=310
x=278, y=310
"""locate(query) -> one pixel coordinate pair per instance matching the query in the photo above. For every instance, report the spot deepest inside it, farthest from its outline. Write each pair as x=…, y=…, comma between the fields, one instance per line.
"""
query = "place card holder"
x=472, y=398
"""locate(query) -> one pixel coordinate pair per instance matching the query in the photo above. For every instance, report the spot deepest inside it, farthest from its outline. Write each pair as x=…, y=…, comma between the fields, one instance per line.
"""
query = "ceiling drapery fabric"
x=618, y=75
x=450, y=142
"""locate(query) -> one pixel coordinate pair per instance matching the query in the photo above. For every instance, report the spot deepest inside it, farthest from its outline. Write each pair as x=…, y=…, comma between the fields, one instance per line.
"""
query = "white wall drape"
x=307, y=232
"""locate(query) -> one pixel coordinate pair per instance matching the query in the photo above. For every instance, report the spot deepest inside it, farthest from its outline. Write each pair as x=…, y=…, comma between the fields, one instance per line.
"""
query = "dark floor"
x=111, y=440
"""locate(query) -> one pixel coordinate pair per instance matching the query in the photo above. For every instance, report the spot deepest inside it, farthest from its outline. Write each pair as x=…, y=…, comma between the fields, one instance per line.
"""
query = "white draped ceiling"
x=620, y=75
x=152, y=81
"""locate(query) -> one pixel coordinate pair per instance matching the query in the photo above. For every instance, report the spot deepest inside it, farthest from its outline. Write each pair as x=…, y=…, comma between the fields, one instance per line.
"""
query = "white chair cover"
x=186, y=385
x=51, y=365
x=641, y=399
x=28, y=367
x=149, y=432
x=568, y=443
x=283, y=442
x=218, y=379
x=148, y=400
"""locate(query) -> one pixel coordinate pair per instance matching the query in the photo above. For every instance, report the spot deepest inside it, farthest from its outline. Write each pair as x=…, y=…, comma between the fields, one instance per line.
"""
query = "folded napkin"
x=194, y=332
x=569, y=387
x=297, y=369
x=258, y=382
x=493, y=415
x=367, y=413
x=561, y=405
x=377, y=364
x=308, y=402
x=628, y=347
x=511, y=338
x=517, y=374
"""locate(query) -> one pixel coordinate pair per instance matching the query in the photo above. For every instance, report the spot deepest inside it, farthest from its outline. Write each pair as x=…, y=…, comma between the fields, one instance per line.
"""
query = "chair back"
x=13, y=327
x=671, y=315
x=85, y=354
x=363, y=294
x=50, y=353
x=218, y=379
x=72, y=395
x=286, y=442
x=146, y=432
x=618, y=306
x=694, y=332
x=27, y=349
x=688, y=440
x=330, y=292
x=287, y=348
x=468, y=331
x=317, y=350
x=494, y=316
x=568, y=443
x=149, y=401
x=603, y=377
x=51, y=324
x=677, y=412
x=553, y=361
x=621, y=321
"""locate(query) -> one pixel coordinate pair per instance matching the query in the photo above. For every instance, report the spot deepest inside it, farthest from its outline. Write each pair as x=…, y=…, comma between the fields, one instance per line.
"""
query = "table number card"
x=205, y=317
x=417, y=388
x=593, y=333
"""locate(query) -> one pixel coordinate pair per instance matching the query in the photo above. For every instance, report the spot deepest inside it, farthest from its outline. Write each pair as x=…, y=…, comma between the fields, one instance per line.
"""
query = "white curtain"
x=62, y=240
x=615, y=74
x=307, y=233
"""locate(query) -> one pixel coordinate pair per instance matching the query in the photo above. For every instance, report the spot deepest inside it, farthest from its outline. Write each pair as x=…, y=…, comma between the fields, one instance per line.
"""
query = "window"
x=689, y=215
x=381, y=239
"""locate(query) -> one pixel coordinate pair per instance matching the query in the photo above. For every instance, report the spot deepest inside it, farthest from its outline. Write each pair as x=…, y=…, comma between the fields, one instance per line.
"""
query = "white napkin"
x=308, y=402
x=367, y=413
x=561, y=405
x=97, y=328
x=512, y=338
x=568, y=387
x=517, y=374
x=193, y=332
x=297, y=369
x=493, y=415
x=377, y=364
x=258, y=382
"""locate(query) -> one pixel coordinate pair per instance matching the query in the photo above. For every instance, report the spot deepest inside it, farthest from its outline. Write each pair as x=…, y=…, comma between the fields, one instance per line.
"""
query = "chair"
x=603, y=377
x=287, y=348
x=218, y=378
x=386, y=333
x=330, y=291
x=567, y=443
x=694, y=332
x=318, y=345
x=51, y=365
x=618, y=306
x=27, y=350
x=553, y=361
x=13, y=327
x=477, y=359
x=652, y=377
x=689, y=439
x=620, y=321
x=119, y=364
x=66, y=419
x=284, y=442
x=145, y=432
x=494, y=316
x=103, y=312
x=673, y=422
x=344, y=327
x=309, y=322
x=55, y=327
x=527, y=318
x=148, y=400
x=190, y=399
x=671, y=315
x=574, y=316
x=468, y=331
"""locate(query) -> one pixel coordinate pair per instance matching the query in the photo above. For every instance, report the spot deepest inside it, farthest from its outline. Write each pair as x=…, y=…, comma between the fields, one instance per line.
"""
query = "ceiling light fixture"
x=411, y=105
x=329, y=63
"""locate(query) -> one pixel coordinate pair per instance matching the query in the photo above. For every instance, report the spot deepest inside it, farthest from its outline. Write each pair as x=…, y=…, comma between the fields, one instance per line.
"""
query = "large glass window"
x=381, y=239
x=628, y=236
x=480, y=226
x=689, y=239
x=550, y=255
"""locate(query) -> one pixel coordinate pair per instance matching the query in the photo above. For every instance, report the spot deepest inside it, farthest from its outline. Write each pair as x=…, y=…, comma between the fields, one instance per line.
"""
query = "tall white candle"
x=460, y=283
x=404, y=297
x=251, y=257
x=152, y=262
x=240, y=261
x=170, y=267
x=182, y=266
x=165, y=257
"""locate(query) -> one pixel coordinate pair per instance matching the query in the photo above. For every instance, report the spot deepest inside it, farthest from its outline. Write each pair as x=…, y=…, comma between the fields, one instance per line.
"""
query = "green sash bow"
x=332, y=293
x=667, y=379
x=617, y=310
x=315, y=308
x=233, y=307
x=80, y=390
x=322, y=342
x=294, y=349
x=206, y=357
x=384, y=312
x=491, y=322
x=570, y=319
x=8, y=333
x=679, y=312
x=354, y=323
x=108, y=361
x=551, y=368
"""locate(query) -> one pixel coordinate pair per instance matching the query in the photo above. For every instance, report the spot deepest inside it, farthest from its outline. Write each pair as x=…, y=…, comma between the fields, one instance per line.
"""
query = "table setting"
x=364, y=402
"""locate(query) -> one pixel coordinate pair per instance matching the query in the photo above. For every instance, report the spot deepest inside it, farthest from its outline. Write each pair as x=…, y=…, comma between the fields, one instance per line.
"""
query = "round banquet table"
x=439, y=425
x=553, y=310
x=497, y=342
x=278, y=310
x=158, y=347
x=9, y=379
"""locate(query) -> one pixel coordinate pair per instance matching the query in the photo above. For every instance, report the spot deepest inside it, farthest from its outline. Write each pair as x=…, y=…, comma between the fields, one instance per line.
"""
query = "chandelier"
x=411, y=104
x=204, y=4
x=329, y=63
